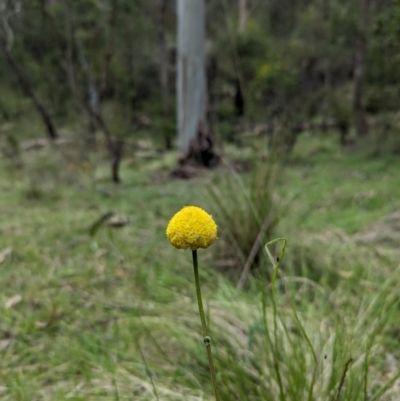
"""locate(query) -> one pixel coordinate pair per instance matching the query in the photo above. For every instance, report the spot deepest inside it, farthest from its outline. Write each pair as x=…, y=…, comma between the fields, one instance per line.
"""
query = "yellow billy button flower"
x=192, y=228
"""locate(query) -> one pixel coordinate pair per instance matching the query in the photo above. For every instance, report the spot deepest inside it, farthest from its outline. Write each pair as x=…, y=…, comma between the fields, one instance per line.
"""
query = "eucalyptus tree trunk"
x=191, y=79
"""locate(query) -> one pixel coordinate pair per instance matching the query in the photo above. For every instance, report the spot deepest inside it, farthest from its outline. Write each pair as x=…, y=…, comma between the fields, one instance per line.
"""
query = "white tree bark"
x=191, y=78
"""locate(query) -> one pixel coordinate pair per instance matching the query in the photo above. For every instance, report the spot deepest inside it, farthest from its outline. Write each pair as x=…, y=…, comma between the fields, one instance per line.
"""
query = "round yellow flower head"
x=192, y=228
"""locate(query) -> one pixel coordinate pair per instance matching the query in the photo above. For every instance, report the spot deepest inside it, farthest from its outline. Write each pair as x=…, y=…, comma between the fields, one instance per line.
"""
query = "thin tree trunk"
x=326, y=109
x=360, y=118
x=70, y=44
x=109, y=53
x=28, y=89
x=243, y=15
x=92, y=92
x=164, y=70
x=118, y=148
x=114, y=147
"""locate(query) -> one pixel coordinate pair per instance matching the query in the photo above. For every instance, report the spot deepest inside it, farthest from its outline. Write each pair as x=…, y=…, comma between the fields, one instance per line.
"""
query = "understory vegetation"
x=96, y=305
x=278, y=118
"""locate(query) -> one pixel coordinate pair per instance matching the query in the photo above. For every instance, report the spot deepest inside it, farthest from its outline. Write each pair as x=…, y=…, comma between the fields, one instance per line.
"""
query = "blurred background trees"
x=276, y=67
x=282, y=92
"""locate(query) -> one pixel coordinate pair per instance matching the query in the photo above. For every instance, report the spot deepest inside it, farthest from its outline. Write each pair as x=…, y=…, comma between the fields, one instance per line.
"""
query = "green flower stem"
x=207, y=339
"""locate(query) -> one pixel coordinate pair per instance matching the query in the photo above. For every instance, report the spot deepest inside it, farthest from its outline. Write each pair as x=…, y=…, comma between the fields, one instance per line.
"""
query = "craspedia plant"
x=192, y=228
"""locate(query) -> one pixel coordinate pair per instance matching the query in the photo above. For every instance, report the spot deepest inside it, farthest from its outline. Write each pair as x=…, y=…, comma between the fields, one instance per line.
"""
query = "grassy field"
x=113, y=316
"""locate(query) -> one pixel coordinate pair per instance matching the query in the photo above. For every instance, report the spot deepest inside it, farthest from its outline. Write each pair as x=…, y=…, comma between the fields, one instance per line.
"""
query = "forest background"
x=300, y=139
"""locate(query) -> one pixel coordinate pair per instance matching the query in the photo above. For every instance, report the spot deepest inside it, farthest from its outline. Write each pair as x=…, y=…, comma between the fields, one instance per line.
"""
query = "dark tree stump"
x=201, y=151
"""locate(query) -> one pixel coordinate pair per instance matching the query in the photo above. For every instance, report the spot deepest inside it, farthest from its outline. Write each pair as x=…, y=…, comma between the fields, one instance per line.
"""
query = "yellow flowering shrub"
x=192, y=228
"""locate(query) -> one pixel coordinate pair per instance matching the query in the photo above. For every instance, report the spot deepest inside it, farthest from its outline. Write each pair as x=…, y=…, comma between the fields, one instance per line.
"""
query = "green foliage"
x=293, y=62
x=12, y=105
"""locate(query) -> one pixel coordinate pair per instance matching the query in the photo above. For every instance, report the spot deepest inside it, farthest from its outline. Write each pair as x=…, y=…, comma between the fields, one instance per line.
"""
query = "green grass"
x=86, y=304
x=336, y=190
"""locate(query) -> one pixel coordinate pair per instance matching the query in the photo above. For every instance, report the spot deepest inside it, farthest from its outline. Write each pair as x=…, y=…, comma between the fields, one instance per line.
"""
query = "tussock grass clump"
x=246, y=210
